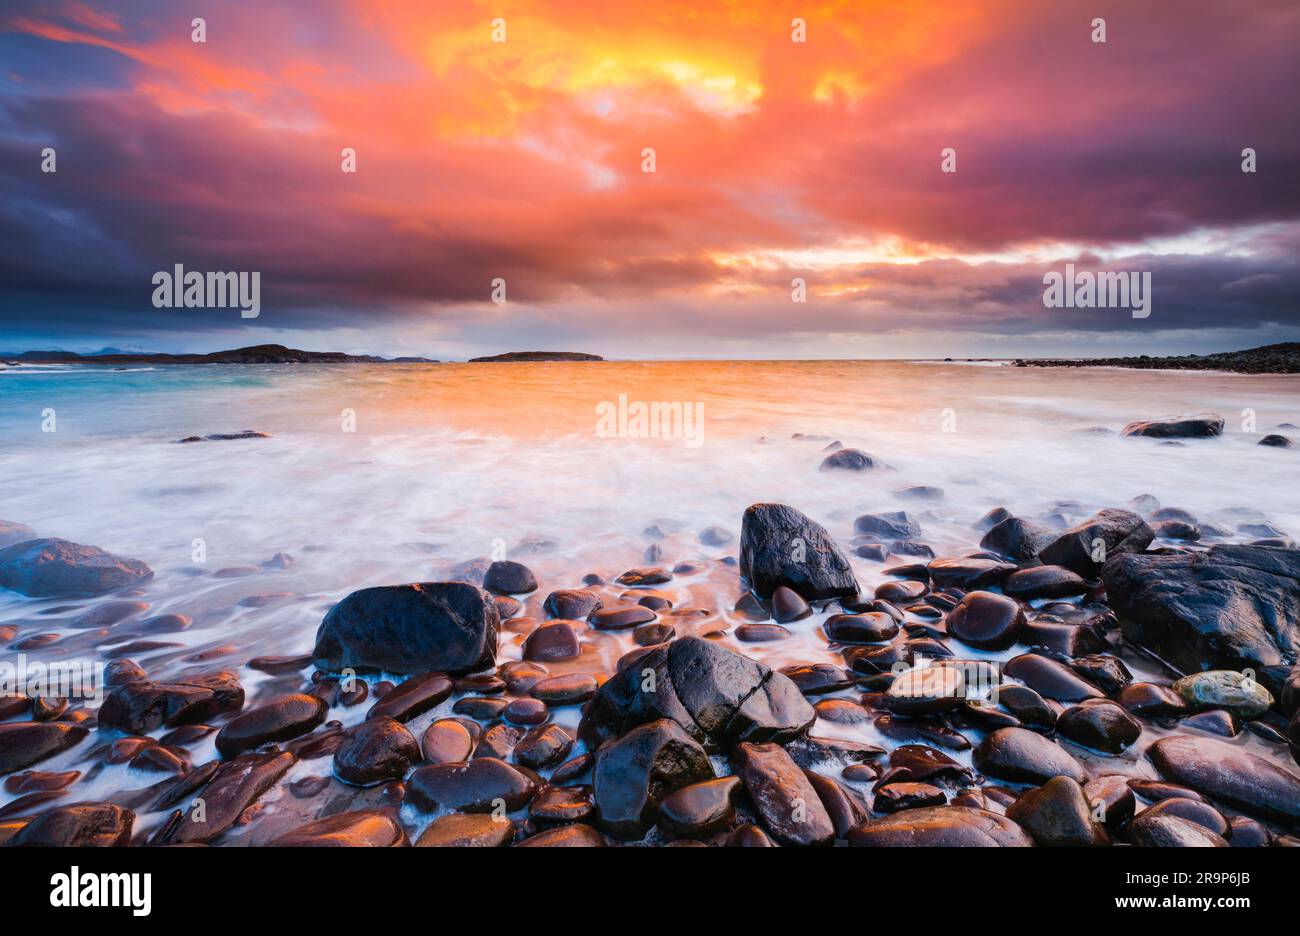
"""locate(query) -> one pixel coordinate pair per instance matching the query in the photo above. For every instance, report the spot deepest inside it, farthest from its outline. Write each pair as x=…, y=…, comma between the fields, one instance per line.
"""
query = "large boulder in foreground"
x=941, y=827
x=634, y=773
x=1182, y=427
x=781, y=546
x=57, y=568
x=1227, y=774
x=1086, y=546
x=1231, y=607
x=450, y=627
x=718, y=696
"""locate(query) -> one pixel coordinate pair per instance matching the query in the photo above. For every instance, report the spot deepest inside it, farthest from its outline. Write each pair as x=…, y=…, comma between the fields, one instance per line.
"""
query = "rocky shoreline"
x=1269, y=359
x=985, y=698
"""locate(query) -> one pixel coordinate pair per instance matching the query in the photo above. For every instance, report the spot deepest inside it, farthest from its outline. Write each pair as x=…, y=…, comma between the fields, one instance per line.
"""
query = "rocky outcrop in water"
x=781, y=546
x=57, y=568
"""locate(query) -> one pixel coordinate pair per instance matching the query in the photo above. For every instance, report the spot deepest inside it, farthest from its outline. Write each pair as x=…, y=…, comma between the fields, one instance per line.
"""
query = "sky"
x=774, y=159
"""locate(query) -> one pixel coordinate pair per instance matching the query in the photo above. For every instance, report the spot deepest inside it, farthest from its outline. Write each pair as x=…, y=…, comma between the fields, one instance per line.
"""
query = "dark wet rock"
x=1022, y=756
x=1101, y=725
x=647, y=635
x=841, y=712
x=526, y=712
x=577, y=835
x=921, y=731
x=506, y=577
x=843, y=805
x=896, y=525
x=817, y=678
x=376, y=751
x=788, y=605
x=573, y=689
x=445, y=741
x=986, y=621
x=900, y=591
x=699, y=810
x=1202, y=813
x=895, y=797
x=1215, y=722
x=717, y=695
x=782, y=796
x=918, y=763
x=1230, y=607
x=280, y=664
x=866, y=628
x=554, y=640
x=571, y=604
x=543, y=747
x=1227, y=774
x=1153, y=791
x=850, y=459
x=873, y=661
x=1049, y=581
x=749, y=836
x=1086, y=546
x=1176, y=530
x=1272, y=440
x=1248, y=833
x=940, y=827
x=634, y=773
x=24, y=744
x=749, y=606
x=1230, y=691
x=1050, y=679
x=1065, y=640
x=141, y=707
x=1029, y=708
x=926, y=690
x=760, y=633
x=57, y=568
x=280, y=720
x=365, y=828
x=1157, y=830
x=621, y=617
x=488, y=684
x=1017, y=539
x=235, y=785
x=446, y=626
x=474, y=786
x=78, y=825
x=990, y=519
x=413, y=697
x=109, y=614
x=556, y=805
x=482, y=708
x=645, y=577
x=1182, y=427
x=1110, y=797
x=1151, y=700
x=967, y=573
x=780, y=546
x=467, y=830
x=1057, y=813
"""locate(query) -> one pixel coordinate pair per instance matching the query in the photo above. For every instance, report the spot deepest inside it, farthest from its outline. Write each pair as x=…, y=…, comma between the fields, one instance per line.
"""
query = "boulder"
x=1023, y=756
x=700, y=810
x=281, y=719
x=379, y=750
x=781, y=546
x=1048, y=581
x=506, y=577
x=1182, y=427
x=474, y=786
x=986, y=620
x=850, y=459
x=635, y=773
x=895, y=525
x=941, y=827
x=1057, y=813
x=1017, y=539
x=235, y=786
x=1227, y=690
x=143, y=706
x=23, y=744
x=1229, y=775
x=446, y=626
x=78, y=825
x=716, y=695
x=782, y=796
x=56, y=568
x=1101, y=725
x=1230, y=607
x=1086, y=546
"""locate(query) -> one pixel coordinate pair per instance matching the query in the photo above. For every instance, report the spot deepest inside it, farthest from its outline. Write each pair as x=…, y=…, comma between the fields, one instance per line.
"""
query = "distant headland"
x=1269, y=359
x=536, y=356
x=256, y=354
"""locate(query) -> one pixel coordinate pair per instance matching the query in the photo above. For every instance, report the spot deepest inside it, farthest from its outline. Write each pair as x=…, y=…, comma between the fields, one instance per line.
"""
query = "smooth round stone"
x=621, y=618
x=482, y=684
x=643, y=577
x=280, y=720
x=80, y=825
x=375, y=751
x=1198, y=811
x=1153, y=791
x=860, y=773
x=555, y=805
x=1030, y=709
x=895, y=797
x=543, y=747
x=1050, y=679
x=445, y=741
x=760, y=633
x=841, y=712
x=520, y=677
x=572, y=769
x=654, y=602
x=307, y=787
x=117, y=672
x=1227, y=690
x=482, y=708
x=1104, y=671
x=925, y=690
x=749, y=836
x=476, y=786
x=1249, y=833
x=1101, y=725
x=467, y=830
x=921, y=731
x=412, y=698
x=362, y=829
x=1112, y=796
x=577, y=835
x=699, y=810
x=1019, y=755
x=1049, y=581
x=554, y=640
x=986, y=621
x=788, y=605
x=940, y=826
x=1152, y=700
x=526, y=711
x=571, y=604
x=1215, y=722
x=505, y=577
x=1058, y=814
x=572, y=689
x=498, y=741
x=647, y=635
x=158, y=759
x=872, y=661
x=507, y=607
x=280, y=664
x=1166, y=831
x=901, y=591
x=817, y=678
x=870, y=627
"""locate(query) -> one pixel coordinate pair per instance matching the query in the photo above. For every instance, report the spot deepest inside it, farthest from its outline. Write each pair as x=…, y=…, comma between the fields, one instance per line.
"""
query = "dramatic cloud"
x=774, y=159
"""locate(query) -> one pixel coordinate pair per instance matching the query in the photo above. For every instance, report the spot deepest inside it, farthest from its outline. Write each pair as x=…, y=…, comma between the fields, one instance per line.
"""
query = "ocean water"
x=381, y=474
